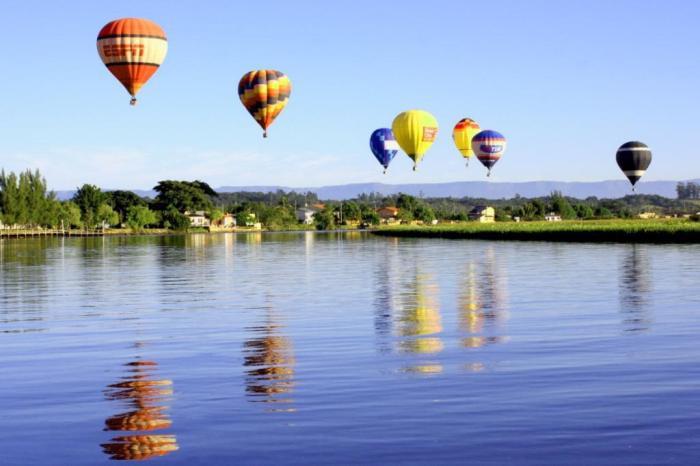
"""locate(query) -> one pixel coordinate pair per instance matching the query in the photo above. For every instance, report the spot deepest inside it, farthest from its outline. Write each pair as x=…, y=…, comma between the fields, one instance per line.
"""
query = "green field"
x=625, y=231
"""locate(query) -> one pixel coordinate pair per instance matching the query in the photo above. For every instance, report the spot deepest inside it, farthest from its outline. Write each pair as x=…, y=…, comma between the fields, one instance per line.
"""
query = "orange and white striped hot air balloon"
x=132, y=49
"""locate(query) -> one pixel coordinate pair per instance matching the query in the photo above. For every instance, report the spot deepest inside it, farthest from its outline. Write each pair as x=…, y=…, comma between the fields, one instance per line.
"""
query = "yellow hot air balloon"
x=462, y=135
x=415, y=131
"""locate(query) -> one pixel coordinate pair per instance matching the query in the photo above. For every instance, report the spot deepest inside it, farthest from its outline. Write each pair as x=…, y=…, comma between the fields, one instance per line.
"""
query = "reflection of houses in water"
x=144, y=395
x=269, y=362
x=419, y=322
x=482, y=305
x=635, y=289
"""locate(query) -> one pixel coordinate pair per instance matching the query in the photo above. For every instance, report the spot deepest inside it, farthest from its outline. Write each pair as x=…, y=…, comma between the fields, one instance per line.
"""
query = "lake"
x=344, y=348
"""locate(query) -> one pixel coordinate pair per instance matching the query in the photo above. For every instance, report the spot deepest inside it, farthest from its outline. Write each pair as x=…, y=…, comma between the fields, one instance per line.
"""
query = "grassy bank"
x=623, y=231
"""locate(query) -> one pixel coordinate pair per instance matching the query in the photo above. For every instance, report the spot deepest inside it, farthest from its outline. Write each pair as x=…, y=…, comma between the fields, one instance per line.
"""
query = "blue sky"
x=565, y=82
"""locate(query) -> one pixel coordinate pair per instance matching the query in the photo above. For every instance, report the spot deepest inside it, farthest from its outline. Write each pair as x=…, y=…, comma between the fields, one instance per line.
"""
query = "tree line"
x=26, y=201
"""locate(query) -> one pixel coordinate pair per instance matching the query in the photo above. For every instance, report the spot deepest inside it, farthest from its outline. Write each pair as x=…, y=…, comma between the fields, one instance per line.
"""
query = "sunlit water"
x=346, y=348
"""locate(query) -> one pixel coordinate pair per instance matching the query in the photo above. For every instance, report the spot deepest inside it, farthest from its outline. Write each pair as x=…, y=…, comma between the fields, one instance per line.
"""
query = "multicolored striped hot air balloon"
x=489, y=146
x=132, y=49
x=415, y=131
x=383, y=146
x=462, y=135
x=264, y=93
x=633, y=158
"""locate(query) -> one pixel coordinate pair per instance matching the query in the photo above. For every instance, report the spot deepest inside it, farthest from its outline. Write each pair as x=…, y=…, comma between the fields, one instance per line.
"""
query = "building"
x=552, y=217
x=198, y=218
x=388, y=214
x=483, y=214
x=647, y=215
x=227, y=221
x=305, y=215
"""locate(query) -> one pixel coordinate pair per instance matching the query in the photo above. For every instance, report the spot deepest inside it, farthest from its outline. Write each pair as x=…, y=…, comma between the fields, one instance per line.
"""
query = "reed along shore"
x=597, y=231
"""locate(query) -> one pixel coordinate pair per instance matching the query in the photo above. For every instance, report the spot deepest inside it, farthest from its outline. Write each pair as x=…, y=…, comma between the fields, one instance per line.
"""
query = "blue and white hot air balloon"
x=384, y=146
x=489, y=147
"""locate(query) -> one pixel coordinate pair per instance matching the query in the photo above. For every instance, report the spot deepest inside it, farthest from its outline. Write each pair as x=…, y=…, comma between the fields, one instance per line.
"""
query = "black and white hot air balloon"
x=633, y=158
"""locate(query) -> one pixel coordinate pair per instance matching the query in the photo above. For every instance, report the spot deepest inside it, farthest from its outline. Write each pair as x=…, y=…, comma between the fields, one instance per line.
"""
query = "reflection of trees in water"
x=24, y=282
x=419, y=322
x=482, y=304
x=269, y=362
x=144, y=395
x=635, y=289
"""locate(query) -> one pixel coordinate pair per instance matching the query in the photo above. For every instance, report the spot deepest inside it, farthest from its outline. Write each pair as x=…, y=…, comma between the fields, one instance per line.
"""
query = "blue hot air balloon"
x=384, y=146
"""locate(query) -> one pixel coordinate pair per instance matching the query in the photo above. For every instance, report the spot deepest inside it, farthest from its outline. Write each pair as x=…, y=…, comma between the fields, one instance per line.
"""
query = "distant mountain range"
x=477, y=189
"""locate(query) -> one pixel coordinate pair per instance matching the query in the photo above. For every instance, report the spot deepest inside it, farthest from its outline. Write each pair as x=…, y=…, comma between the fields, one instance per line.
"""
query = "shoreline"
x=574, y=231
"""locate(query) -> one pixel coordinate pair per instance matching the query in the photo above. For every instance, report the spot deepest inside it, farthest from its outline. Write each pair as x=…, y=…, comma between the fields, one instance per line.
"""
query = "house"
x=552, y=217
x=198, y=218
x=483, y=214
x=227, y=221
x=388, y=214
x=647, y=215
x=305, y=215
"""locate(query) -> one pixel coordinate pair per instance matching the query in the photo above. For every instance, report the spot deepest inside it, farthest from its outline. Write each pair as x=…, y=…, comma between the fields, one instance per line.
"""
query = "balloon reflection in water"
x=635, y=288
x=270, y=361
x=385, y=300
x=419, y=323
x=145, y=395
x=482, y=305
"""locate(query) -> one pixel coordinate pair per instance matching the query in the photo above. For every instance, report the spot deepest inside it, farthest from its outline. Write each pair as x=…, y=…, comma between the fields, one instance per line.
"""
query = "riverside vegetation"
x=26, y=202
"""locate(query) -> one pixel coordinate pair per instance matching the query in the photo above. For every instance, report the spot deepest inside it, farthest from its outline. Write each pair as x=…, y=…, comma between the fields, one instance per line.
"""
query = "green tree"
x=215, y=215
x=69, y=215
x=561, y=206
x=325, y=218
x=406, y=202
x=351, y=211
x=423, y=212
x=121, y=201
x=89, y=198
x=10, y=201
x=540, y=209
x=405, y=215
x=603, y=212
x=138, y=217
x=584, y=211
x=175, y=220
x=106, y=216
x=244, y=218
x=183, y=196
x=370, y=216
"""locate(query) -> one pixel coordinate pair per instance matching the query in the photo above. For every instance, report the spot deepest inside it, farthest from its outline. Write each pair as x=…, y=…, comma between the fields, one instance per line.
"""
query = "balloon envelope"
x=383, y=146
x=264, y=93
x=463, y=133
x=415, y=131
x=633, y=158
x=489, y=146
x=132, y=49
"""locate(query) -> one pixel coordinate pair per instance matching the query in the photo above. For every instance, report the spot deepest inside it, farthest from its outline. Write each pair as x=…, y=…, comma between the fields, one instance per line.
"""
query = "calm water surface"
x=346, y=348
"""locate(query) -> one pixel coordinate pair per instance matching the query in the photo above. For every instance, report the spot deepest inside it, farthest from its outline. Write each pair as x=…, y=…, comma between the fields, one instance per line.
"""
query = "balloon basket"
x=264, y=134
x=133, y=101
x=384, y=171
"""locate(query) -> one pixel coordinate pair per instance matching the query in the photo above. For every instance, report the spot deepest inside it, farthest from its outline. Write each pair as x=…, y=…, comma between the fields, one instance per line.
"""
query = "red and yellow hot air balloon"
x=462, y=134
x=264, y=93
x=132, y=49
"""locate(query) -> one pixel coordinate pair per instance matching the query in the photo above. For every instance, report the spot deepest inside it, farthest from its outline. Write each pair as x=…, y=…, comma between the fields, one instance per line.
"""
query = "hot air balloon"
x=264, y=93
x=633, y=158
x=383, y=146
x=132, y=49
x=415, y=131
x=489, y=146
x=462, y=135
